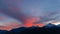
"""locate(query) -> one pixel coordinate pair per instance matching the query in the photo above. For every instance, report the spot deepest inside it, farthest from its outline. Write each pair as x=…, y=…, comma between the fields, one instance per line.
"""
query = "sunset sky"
x=19, y=13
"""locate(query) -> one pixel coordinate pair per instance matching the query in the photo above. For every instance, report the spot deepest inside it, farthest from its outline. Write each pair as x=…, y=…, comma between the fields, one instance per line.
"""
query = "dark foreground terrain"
x=48, y=29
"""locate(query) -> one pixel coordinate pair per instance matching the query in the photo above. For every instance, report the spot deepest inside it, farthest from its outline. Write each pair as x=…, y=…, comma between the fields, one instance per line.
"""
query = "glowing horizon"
x=18, y=13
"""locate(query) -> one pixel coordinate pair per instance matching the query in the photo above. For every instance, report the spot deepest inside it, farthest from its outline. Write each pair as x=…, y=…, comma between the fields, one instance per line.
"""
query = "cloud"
x=23, y=10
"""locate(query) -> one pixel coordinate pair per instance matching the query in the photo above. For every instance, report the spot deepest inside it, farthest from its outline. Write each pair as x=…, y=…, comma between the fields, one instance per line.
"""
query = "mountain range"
x=49, y=28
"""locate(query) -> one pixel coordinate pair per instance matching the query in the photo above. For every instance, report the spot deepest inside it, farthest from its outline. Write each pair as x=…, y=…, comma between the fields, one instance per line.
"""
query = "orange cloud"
x=40, y=24
x=10, y=26
x=28, y=22
x=31, y=21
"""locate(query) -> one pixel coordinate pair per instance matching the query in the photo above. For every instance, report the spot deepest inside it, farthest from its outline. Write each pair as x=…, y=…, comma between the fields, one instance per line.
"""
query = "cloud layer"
x=31, y=12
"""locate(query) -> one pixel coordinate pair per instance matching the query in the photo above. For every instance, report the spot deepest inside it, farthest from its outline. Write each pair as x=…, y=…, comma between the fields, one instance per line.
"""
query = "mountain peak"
x=50, y=25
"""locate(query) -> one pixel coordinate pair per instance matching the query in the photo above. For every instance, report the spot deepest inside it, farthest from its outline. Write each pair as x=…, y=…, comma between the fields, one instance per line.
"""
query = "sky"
x=18, y=13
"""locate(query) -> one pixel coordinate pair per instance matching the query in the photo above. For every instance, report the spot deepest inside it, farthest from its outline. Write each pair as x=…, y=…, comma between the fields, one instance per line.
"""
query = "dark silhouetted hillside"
x=48, y=29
